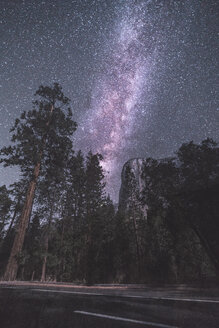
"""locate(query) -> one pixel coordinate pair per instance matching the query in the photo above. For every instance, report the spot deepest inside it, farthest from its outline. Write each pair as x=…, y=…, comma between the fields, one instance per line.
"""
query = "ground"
x=42, y=305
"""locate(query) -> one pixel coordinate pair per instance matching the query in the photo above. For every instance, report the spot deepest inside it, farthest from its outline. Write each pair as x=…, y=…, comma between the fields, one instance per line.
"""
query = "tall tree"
x=71, y=225
x=94, y=198
x=5, y=205
x=17, y=191
x=33, y=249
x=94, y=183
x=40, y=135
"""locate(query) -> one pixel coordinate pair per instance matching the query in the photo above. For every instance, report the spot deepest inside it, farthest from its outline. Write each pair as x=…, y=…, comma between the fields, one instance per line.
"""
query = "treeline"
x=179, y=240
x=57, y=223
x=55, y=220
x=68, y=236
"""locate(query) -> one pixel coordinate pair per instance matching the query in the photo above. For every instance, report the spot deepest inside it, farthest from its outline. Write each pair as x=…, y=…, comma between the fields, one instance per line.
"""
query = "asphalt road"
x=42, y=306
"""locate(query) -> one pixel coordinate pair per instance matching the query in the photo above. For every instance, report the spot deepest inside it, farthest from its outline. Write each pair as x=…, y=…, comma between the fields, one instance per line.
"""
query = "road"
x=57, y=306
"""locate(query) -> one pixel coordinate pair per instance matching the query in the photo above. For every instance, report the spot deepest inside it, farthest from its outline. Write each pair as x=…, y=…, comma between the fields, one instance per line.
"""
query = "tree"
x=50, y=191
x=71, y=227
x=199, y=192
x=94, y=183
x=32, y=247
x=94, y=199
x=16, y=193
x=135, y=221
x=102, y=243
x=123, y=254
x=184, y=191
x=5, y=206
x=39, y=137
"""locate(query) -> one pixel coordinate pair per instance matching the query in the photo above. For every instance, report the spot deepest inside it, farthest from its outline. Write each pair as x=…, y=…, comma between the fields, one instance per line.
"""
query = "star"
x=141, y=75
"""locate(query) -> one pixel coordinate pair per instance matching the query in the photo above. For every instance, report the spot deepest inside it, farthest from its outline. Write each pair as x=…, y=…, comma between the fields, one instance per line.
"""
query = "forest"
x=58, y=224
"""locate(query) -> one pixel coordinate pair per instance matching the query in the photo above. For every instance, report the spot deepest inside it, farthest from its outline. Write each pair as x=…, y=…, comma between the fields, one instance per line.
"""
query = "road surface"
x=25, y=305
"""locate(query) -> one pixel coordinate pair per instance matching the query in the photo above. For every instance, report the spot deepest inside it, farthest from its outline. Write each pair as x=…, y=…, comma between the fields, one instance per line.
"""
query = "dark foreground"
x=41, y=306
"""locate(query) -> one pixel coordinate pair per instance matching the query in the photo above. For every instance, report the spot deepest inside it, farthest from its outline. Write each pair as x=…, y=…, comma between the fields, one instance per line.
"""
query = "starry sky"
x=141, y=74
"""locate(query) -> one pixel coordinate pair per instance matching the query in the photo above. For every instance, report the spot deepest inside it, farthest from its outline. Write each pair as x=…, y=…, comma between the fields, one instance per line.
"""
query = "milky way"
x=141, y=74
x=117, y=92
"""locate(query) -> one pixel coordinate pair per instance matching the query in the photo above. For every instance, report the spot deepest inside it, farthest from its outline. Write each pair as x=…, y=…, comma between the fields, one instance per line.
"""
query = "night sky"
x=141, y=75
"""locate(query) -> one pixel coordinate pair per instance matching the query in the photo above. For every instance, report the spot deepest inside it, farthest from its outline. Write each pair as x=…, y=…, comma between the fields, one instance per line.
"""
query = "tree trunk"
x=12, y=266
x=14, y=216
x=61, y=260
x=22, y=273
x=43, y=275
x=32, y=276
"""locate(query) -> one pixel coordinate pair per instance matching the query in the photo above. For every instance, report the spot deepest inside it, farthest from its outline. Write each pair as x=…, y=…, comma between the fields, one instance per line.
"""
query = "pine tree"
x=94, y=198
x=41, y=135
x=32, y=247
x=94, y=183
x=17, y=192
x=71, y=226
x=198, y=194
x=181, y=195
x=5, y=206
